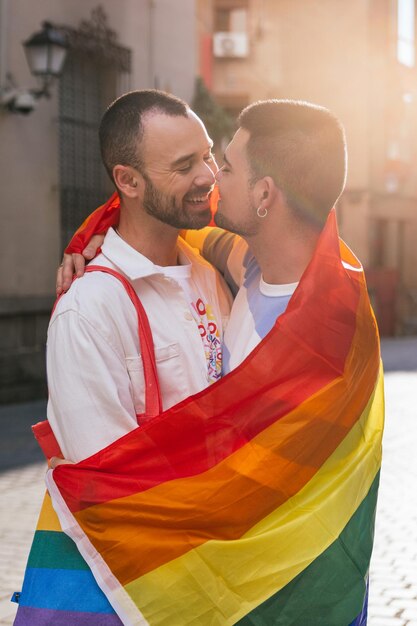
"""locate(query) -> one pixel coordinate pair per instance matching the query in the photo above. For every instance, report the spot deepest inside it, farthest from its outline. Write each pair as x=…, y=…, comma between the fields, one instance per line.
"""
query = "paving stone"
x=404, y=593
x=410, y=613
x=384, y=610
x=385, y=621
x=7, y=611
x=404, y=603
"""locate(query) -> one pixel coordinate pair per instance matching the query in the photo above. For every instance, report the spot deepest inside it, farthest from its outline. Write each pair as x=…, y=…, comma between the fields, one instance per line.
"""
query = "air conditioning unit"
x=232, y=45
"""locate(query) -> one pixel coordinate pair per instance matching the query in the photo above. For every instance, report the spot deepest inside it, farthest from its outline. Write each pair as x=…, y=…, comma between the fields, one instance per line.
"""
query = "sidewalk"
x=21, y=493
x=393, y=578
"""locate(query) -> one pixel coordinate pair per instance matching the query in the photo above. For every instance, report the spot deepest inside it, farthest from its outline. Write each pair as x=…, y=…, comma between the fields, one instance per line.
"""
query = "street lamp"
x=45, y=53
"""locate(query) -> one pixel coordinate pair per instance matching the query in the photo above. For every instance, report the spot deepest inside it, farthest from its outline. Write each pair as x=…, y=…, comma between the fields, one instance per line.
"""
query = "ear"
x=128, y=181
x=266, y=193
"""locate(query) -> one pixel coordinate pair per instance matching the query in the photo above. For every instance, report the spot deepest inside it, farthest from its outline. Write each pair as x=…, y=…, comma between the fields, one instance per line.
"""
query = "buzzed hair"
x=302, y=146
x=121, y=129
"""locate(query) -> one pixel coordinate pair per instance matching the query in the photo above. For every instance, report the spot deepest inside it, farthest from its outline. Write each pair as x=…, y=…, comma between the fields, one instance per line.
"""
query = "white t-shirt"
x=257, y=304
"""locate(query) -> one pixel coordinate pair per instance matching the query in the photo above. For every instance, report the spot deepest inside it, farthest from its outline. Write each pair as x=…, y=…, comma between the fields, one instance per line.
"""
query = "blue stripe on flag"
x=66, y=590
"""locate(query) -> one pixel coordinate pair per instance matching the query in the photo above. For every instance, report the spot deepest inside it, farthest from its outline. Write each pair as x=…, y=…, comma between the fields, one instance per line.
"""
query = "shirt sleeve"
x=90, y=396
x=225, y=250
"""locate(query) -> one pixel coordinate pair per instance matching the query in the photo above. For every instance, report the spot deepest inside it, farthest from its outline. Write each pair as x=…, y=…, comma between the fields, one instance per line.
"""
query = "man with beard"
x=284, y=170
x=158, y=154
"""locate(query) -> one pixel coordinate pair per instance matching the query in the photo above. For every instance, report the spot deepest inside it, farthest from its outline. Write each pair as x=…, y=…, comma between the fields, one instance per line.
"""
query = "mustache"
x=199, y=191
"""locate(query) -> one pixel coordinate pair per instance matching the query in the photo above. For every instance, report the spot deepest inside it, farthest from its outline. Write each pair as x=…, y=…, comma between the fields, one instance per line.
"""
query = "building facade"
x=51, y=174
x=358, y=59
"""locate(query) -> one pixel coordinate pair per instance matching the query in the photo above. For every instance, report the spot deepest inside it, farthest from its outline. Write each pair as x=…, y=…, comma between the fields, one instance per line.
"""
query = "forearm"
x=214, y=244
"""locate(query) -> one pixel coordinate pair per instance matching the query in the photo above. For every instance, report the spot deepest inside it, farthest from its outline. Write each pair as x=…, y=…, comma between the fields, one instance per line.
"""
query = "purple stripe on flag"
x=28, y=616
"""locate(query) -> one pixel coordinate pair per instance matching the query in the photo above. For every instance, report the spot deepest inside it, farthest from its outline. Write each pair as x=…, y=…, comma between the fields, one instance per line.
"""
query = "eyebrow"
x=182, y=159
x=189, y=157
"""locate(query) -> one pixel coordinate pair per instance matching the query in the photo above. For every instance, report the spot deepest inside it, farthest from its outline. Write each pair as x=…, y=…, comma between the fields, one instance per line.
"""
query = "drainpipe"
x=151, y=43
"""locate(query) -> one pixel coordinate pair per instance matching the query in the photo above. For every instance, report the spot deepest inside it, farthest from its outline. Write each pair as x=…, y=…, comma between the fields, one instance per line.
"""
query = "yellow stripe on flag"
x=48, y=519
x=247, y=571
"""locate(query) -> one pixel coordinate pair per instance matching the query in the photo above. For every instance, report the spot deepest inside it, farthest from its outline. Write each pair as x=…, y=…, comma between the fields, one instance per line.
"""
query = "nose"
x=218, y=175
x=206, y=174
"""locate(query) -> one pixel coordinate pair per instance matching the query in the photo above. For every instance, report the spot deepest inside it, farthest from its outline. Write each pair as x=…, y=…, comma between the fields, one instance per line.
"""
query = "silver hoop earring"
x=259, y=214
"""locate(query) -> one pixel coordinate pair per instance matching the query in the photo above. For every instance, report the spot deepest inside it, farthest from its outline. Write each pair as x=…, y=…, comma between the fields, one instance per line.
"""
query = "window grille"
x=96, y=71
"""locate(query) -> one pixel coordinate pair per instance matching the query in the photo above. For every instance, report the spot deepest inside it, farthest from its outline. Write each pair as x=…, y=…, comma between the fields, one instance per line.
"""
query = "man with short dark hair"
x=283, y=172
x=158, y=154
x=124, y=142
x=302, y=147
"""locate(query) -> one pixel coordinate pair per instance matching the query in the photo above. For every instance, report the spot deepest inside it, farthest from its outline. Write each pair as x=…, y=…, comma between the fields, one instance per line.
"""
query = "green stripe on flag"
x=331, y=590
x=54, y=550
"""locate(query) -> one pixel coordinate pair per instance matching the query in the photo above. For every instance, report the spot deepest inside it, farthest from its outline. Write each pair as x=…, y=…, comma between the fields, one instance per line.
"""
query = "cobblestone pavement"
x=393, y=578
x=21, y=493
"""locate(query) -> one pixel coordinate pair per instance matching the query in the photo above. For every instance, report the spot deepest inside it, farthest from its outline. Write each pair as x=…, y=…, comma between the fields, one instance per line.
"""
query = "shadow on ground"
x=17, y=445
x=399, y=354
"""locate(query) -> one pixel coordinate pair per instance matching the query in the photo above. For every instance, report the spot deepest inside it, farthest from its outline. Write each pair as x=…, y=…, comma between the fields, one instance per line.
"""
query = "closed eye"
x=226, y=165
x=185, y=168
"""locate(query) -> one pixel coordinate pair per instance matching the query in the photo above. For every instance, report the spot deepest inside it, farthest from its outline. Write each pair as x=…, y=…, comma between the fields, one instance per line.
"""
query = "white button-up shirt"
x=95, y=373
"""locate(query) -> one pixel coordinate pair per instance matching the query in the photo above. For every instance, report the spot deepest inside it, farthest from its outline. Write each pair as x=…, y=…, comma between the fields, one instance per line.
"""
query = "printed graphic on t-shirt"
x=210, y=336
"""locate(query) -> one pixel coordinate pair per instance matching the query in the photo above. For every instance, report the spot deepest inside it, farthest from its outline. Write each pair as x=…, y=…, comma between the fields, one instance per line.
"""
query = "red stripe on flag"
x=305, y=351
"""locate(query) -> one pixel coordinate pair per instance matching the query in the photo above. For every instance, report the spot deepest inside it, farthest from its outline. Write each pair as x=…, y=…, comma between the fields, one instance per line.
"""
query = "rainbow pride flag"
x=59, y=588
x=252, y=502
x=99, y=221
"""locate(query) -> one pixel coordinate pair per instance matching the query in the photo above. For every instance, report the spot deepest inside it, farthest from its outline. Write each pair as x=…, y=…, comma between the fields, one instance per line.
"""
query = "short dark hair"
x=302, y=147
x=121, y=128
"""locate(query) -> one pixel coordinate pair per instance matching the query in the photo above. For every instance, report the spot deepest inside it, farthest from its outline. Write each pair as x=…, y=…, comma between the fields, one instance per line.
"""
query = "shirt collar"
x=131, y=262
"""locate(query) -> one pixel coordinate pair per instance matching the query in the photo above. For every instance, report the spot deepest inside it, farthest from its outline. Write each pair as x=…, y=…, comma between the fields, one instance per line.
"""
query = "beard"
x=169, y=210
x=248, y=226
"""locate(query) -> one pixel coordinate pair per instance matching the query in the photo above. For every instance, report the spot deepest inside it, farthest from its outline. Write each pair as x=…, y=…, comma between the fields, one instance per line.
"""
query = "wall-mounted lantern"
x=45, y=53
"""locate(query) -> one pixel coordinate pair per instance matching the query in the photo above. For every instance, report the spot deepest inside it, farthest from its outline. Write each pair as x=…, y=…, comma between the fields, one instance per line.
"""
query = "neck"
x=283, y=257
x=154, y=239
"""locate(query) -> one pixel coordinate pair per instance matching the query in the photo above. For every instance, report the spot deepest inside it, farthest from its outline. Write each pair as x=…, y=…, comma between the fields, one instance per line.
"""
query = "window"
x=406, y=33
x=86, y=88
x=387, y=243
x=222, y=20
x=230, y=20
x=378, y=233
x=96, y=70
